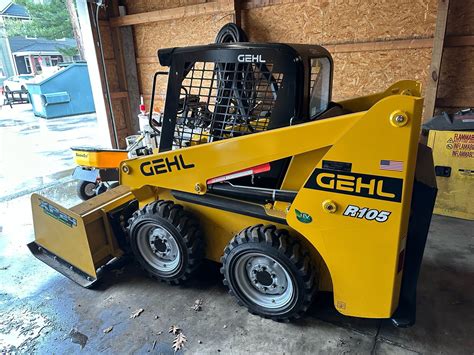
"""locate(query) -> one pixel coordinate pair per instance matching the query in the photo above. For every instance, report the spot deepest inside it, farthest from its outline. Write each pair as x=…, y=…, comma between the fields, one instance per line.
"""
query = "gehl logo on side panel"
x=250, y=58
x=166, y=165
x=371, y=186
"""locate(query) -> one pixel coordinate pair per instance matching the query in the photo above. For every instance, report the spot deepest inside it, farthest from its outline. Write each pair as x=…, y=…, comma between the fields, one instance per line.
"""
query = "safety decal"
x=52, y=211
x=363, y=185
x=303, y=217
x=461, y=145
x=369, y=214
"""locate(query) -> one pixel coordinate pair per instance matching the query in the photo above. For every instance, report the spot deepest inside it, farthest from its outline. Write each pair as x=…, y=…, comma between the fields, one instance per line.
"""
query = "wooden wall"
x=331, y=23
x=373, y=42
x=456, y=89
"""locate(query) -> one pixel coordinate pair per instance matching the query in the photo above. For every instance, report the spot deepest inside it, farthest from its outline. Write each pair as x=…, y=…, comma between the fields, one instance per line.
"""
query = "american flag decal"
x=393, y=165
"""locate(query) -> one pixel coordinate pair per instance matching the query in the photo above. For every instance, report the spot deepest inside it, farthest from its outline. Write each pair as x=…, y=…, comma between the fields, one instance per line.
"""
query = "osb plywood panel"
x=457, y=80
x=182, y=32
x=140, y=6
x=112, y=77
x=119, y=114
x=461, y=17
x=363, y=73
x=121, y=135
x=106, y=37
x=146, y=73
x=341, y=21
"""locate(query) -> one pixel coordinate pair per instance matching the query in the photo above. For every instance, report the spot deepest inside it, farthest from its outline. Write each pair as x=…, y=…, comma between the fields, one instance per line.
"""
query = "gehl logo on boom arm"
x=164, y=165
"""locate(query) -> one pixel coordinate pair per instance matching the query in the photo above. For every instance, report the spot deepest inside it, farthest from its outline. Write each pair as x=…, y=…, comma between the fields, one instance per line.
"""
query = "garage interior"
x=373, y=44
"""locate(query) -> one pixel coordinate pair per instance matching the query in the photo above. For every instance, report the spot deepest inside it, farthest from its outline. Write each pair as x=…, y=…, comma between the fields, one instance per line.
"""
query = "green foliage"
x=49, y=20
x=69, y=51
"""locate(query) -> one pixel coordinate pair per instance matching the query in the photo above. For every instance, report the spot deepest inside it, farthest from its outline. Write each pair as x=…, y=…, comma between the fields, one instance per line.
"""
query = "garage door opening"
x=51, y=93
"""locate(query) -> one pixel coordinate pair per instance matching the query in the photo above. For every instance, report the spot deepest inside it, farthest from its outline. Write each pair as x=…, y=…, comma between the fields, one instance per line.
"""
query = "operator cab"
x=220, y=91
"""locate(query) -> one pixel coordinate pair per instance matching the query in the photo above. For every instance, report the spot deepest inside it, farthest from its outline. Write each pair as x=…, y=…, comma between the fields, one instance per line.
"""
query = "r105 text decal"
x=369, y=214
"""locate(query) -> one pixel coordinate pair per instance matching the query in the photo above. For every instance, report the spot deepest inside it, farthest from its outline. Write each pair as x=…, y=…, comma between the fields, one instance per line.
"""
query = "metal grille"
x=224, y=100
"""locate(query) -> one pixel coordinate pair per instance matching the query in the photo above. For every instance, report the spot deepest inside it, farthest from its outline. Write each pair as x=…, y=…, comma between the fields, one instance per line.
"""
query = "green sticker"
x=303, y=217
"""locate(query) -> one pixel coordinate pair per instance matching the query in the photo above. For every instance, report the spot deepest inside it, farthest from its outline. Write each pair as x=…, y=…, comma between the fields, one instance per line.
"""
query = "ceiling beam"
x=207, y=8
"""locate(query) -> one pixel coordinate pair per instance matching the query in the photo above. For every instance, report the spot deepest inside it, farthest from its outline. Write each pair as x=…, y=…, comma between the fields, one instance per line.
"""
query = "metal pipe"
x=99, y=4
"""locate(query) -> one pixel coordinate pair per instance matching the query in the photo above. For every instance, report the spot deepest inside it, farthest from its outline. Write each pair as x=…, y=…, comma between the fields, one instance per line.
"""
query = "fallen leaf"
x=179, y=341
x=175, y=330
x=137, y=313
x=108, y=330
x=225, y=326
x=197, y=305
x=160, y=332
x=78, y=338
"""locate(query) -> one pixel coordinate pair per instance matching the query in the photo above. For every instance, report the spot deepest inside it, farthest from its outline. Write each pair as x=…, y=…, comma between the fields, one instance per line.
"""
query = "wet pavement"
x=35, y=152
x=43, y=312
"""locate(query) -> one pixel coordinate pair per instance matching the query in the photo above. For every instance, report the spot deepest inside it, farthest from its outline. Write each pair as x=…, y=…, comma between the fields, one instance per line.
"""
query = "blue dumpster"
x=65, y=93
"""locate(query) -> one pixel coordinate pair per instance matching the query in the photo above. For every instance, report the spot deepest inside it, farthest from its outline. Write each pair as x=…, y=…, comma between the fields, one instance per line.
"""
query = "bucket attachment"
x=78, y=241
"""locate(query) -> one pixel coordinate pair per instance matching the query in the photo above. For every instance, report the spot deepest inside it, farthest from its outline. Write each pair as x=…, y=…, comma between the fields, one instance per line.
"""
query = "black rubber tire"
x=82, y=190
x=279, y=245
x=184, y=228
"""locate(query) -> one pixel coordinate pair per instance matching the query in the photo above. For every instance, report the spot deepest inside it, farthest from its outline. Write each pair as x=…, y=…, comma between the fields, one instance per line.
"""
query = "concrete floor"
x=39, y=307
x=33, y=150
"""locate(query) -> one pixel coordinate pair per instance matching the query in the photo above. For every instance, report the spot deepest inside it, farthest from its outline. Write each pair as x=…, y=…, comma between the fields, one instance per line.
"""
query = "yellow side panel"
x=361, y=254
x=454, y=150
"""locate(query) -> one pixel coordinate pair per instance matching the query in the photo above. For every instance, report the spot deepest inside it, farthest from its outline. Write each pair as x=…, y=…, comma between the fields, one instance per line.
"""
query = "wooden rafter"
x=207, y=8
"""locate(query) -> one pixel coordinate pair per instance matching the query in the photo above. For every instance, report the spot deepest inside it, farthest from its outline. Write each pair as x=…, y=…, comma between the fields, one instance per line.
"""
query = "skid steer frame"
x=346, y=193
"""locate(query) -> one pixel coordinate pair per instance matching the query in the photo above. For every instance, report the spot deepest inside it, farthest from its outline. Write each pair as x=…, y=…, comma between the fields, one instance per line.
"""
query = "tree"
x=76, y=29
x=50, y=20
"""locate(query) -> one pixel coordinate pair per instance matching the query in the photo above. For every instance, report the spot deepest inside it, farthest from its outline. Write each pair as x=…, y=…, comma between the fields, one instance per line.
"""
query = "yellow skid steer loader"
x=259, y=170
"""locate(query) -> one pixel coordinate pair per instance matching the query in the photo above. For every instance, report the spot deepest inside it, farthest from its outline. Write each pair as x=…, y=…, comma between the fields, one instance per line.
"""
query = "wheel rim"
x=159, y=248
x=263, y=281
x=89, y=189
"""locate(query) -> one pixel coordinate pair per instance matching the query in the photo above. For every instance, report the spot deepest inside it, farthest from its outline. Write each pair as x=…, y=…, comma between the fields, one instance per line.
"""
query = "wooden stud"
x=379, y=45
x=207, y=8
x=254, y=4
x=459, y=41
x=436, y=59
x=119, y=95
x=451, y=41
x=455, y=102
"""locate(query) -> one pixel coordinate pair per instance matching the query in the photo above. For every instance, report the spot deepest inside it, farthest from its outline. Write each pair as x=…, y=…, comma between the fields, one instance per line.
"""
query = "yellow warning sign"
x=462, y=145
